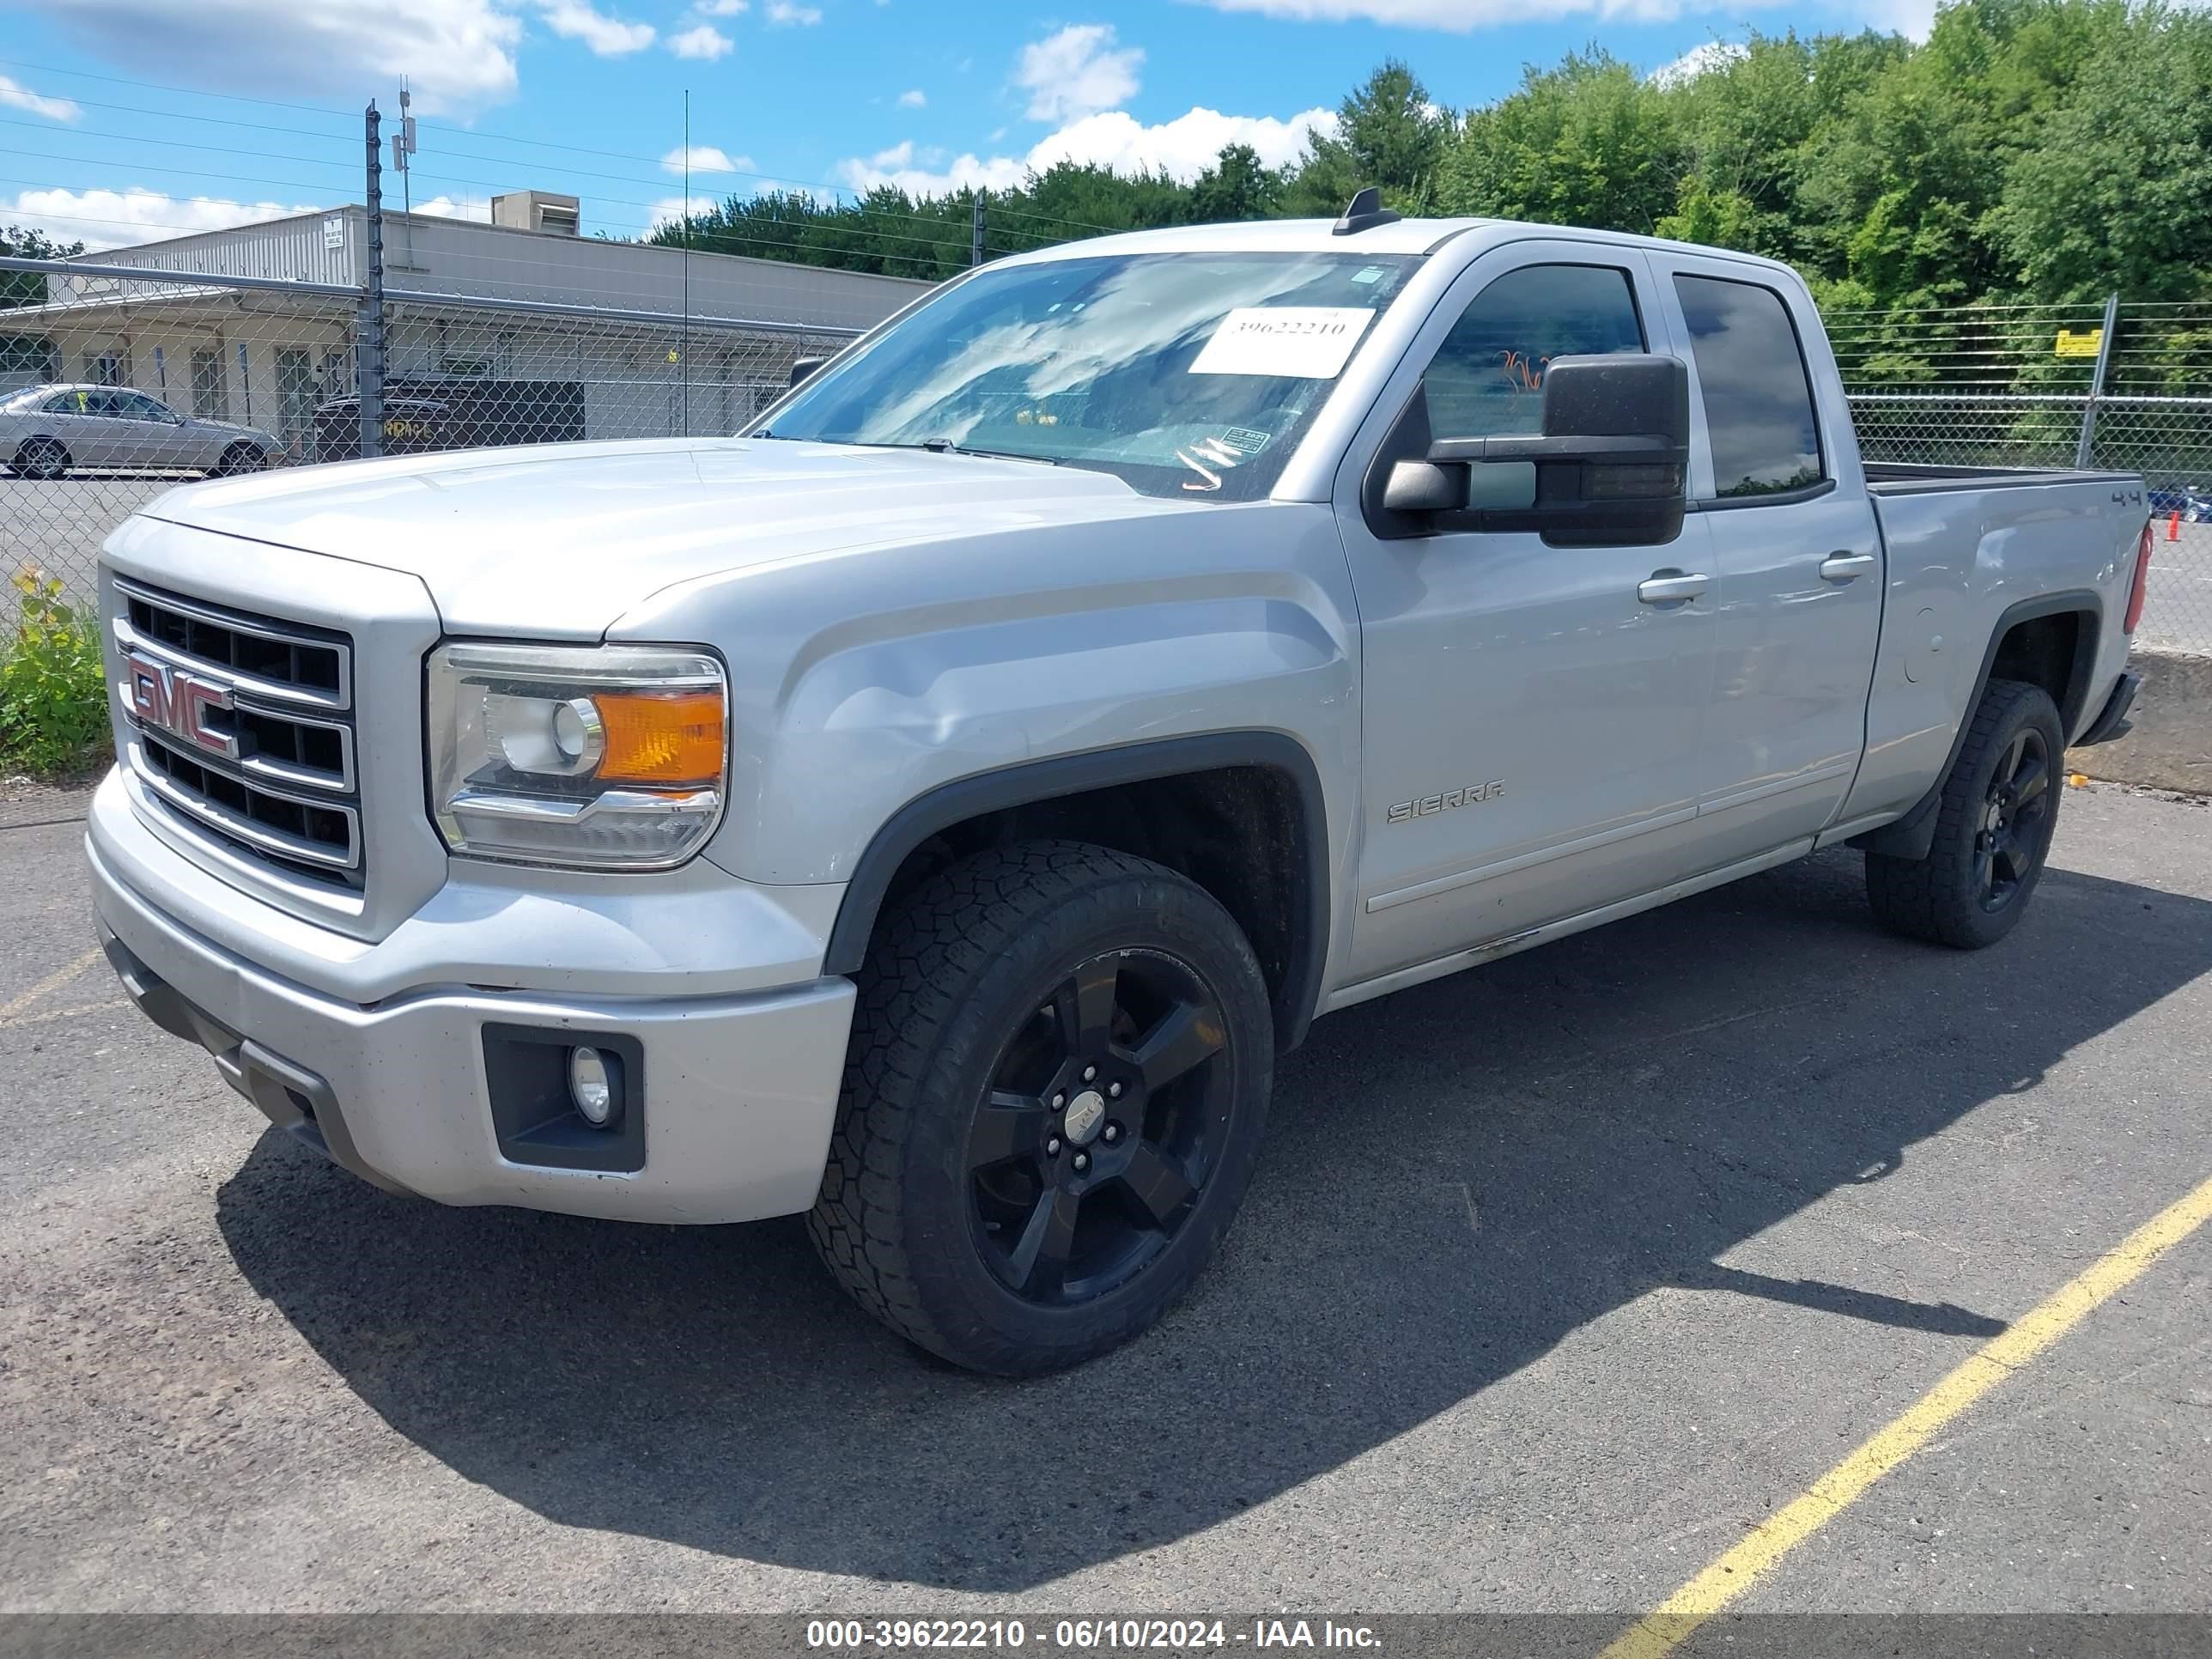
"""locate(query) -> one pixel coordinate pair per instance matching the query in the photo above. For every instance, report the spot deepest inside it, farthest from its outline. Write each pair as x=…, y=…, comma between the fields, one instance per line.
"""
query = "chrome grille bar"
x=244, y=729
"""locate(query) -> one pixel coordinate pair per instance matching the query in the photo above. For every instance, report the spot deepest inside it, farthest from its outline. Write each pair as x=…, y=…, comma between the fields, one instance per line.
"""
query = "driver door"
x=1531, y=721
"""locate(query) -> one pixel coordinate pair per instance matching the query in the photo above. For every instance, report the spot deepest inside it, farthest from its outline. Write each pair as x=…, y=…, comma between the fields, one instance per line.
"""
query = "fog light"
x=589, y=1086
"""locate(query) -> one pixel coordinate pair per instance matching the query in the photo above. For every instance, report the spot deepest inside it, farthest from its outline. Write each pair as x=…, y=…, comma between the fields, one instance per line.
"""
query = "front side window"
x=1187, y=375
x=1758, y=396
x=1487, y=378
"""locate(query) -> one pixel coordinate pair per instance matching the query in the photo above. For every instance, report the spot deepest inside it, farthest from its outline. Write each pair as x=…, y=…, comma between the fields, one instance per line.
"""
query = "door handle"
x=1671, y=587
x=1847, y=566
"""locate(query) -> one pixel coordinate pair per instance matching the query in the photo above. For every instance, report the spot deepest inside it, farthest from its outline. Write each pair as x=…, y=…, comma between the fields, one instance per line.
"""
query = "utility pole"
x=976, y=228
x=369, y=328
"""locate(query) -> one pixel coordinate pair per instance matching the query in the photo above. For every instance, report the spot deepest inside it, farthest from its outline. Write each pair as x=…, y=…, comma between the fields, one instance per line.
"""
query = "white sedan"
x=46, y=430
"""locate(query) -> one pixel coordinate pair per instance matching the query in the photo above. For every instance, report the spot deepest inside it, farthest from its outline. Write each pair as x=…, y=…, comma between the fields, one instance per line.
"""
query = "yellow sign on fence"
x=2087, y=343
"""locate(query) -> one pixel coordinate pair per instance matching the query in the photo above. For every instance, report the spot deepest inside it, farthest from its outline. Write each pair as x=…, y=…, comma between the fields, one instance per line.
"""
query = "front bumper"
x=738, y=1096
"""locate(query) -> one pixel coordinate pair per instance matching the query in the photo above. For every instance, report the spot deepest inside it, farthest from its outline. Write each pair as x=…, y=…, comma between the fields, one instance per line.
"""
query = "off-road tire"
x=1942, y=898
x=951, y=977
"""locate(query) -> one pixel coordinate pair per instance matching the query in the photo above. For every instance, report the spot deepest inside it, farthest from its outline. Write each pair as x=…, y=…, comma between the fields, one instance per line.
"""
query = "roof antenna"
x=1365, y=213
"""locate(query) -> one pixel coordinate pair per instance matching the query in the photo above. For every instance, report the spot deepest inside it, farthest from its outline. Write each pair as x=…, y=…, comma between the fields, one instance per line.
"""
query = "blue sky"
x=126, y=120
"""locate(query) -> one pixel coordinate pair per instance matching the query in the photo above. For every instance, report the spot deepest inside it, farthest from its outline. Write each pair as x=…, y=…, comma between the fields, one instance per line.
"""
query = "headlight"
x=612, y=757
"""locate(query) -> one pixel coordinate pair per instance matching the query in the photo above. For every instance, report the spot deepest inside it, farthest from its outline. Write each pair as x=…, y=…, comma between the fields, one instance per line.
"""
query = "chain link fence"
x=113, y=392
x=115, y=386
x=2123, y=385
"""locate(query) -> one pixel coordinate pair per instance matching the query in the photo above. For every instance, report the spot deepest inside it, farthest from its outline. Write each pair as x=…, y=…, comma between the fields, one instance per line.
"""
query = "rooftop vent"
x=536, y=209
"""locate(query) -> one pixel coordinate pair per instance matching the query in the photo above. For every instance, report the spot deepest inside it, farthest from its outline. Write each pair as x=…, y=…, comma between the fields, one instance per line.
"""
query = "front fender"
x=861, y=681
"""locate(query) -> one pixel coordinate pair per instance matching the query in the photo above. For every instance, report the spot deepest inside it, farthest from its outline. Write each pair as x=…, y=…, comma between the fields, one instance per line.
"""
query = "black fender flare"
x=1031, y=782
x=1913, y=835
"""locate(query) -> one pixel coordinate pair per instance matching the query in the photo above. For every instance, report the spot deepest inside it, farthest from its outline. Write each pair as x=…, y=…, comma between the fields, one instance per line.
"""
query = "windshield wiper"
x=946, y=446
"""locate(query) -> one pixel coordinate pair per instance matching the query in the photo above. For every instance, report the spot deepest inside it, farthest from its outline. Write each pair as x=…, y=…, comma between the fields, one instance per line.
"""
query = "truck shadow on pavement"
x=1457, y=1178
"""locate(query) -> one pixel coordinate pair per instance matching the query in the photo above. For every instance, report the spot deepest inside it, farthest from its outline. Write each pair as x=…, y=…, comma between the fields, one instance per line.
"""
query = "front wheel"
x=1060, y=1069
x=241, y=458
x=1993, y=829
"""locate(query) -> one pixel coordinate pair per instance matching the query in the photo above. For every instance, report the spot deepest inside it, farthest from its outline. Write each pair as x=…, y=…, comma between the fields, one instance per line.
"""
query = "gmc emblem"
x=172, y=701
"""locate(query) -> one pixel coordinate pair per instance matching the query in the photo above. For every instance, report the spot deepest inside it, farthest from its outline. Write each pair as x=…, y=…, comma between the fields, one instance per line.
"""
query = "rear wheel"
x=1993, y=829
x=241, y=458
x=1060, y=1069
x=42, y=458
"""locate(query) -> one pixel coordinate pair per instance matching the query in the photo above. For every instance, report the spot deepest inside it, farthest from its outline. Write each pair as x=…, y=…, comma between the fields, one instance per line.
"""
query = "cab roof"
x=1399, y=237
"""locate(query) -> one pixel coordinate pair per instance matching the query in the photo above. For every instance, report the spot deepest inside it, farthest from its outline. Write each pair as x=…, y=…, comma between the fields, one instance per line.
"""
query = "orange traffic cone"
x=2173, y=528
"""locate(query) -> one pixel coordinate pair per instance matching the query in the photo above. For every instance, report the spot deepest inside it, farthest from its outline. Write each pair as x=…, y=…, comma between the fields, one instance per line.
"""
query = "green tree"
x=2114, y=193
x=1236, y=187
x=1591, y=142
x=1389, y=133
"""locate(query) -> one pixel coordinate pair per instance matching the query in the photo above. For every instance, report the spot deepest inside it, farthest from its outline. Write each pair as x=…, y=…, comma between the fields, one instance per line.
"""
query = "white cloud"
x=1185, y=147
x=14, y=95
x=110, y=218
x=478, y=208
x=670, y=209
x=784, y=13
x=1699, y=60
x=721, y=8
x=1078, y=71
x=457, y=54
x=1911, y=18
x=914, y=100
x=706, y=158
x=606, y=37
x=706, y=41
x=1461, y=16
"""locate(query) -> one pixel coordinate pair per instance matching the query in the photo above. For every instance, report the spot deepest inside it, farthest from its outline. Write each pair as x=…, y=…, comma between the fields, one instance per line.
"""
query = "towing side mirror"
x=1606, y=470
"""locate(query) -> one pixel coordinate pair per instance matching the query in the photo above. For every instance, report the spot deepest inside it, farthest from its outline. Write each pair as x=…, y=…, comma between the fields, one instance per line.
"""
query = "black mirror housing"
x=801, y=367
x=1610, y=463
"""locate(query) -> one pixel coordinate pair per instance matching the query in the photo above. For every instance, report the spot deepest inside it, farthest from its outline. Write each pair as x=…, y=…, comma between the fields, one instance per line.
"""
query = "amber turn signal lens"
x=672, y=739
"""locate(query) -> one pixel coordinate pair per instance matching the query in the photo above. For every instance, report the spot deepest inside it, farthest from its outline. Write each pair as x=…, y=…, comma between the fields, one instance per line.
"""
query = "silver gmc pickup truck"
x=935, y=807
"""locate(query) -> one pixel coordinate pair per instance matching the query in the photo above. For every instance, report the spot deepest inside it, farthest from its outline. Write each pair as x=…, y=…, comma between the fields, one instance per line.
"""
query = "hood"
x=560, y=540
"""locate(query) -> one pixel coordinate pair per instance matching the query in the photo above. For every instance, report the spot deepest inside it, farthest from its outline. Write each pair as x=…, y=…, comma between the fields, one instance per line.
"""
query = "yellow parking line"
x=59, y=1013
x=1671, y=1623
x=50, y=982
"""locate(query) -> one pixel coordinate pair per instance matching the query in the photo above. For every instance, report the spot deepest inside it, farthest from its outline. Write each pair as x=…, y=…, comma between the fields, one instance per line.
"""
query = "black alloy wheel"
x=1995, y=816
x=1054, y=1094
x=2016, y=812
x=1105, y=1115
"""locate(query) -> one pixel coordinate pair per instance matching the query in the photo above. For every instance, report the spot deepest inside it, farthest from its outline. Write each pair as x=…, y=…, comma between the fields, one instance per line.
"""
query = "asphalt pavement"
x=1557, y=1278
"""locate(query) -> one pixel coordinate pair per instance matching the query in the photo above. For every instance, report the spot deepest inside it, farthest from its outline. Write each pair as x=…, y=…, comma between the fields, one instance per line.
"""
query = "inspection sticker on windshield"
x=1303, y=343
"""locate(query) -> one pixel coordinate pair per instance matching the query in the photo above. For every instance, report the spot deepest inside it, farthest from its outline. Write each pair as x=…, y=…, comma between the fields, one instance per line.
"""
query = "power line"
x=150, y=167
x=479, y=135
x=188, y=91
x=173, y=144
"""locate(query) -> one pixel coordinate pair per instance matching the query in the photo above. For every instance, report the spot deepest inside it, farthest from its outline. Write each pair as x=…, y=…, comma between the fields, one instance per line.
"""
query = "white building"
x=267, y=357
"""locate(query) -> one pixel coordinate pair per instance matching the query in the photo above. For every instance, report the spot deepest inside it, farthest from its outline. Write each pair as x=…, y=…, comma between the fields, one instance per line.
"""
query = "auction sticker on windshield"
x=1302, y=342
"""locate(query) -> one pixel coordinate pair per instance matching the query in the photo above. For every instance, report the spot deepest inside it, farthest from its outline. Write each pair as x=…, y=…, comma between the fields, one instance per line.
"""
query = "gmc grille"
x=246, y=729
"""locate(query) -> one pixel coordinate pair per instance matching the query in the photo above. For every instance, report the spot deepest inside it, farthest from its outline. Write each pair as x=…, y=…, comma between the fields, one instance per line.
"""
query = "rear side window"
x=1758, y=396
x=1487, y=378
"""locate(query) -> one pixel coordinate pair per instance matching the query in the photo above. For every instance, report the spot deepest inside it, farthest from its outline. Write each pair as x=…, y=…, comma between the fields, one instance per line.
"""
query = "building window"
x=211, y=382
x=105, y=368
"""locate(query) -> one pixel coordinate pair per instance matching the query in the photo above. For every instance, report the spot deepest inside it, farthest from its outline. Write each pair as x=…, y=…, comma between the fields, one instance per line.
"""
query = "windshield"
x=22, y=400
x=1192, y=375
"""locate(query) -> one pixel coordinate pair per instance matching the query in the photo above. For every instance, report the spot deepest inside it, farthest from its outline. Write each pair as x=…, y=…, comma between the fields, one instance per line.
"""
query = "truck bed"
x=1894, y=478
